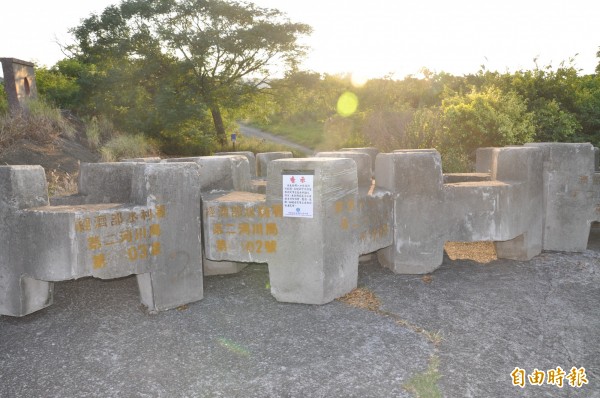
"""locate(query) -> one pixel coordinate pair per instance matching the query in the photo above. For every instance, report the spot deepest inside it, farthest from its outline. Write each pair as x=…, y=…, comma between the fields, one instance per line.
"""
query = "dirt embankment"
x=62, y=155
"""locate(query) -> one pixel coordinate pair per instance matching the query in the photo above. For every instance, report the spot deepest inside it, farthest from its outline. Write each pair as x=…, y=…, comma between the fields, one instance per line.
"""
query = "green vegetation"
x=257, y=145
x=3, y=99
x=127, y=146
x=309, y=134
x=164, y=68
x=181, y=73
x=37, y=121
x=455, y=115
x=425, y=385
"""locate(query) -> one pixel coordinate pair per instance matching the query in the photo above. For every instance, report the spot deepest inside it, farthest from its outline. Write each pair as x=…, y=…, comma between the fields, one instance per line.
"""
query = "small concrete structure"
x=249, y=155
x=19, y=82
x=304, y=266
x=153, y=231
x=363, y=164
x=569, y=194
x=263, y=160
x=428, y=212
x=372, y=152
x=219, y=175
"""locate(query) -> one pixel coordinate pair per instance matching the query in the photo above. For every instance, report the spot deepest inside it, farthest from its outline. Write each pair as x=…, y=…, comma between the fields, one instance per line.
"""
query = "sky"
x=373, y=38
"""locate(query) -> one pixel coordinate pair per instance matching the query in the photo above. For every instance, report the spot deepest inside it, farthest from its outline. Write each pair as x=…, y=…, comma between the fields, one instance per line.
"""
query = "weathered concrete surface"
x=19, y=82
x=156, y=234
x=263, y=159
x=223, y=172
x=372, y=152
x=569, y=206
x=507, y=208
x=249, y=155
x=363, y=164
x=317, y=259
x=240, y=342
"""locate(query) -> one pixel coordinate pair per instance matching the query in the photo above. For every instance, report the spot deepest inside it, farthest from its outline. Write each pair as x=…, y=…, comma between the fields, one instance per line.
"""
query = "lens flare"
x=347, y=104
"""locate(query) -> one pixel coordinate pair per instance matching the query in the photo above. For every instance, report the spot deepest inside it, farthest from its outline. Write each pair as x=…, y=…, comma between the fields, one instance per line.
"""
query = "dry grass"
x=37, y=122
x=61, y=183
x=362, y=298
x=127, y=146
x=481, y=252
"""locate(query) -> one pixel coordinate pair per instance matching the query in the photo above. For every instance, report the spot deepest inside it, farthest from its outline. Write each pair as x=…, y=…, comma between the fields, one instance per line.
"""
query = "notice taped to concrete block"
x=298, y=193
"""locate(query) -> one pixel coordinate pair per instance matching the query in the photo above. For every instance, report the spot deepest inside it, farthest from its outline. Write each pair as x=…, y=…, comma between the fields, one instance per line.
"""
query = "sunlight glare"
x=358, y=79
x=347, y=104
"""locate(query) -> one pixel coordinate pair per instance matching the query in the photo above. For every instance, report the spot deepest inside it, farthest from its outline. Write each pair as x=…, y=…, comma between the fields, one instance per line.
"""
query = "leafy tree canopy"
x=201, y=54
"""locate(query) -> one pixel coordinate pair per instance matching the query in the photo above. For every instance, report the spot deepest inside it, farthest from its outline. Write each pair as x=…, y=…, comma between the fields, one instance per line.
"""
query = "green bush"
x=127, y=146
x=98, y=130
x=3, y=100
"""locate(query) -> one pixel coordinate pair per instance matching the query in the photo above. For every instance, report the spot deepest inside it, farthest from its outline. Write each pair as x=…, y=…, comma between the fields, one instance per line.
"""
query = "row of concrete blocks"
x=172, y=221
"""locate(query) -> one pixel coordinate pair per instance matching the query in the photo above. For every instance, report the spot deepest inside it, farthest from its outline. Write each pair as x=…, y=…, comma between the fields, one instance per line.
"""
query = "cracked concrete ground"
x=94, y=341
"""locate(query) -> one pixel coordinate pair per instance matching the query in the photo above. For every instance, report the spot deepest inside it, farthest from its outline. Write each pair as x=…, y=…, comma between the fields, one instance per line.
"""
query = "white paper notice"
x=298, y=194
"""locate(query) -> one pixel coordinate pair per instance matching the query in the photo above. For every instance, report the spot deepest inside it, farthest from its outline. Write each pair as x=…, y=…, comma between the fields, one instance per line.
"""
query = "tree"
x=210, y=53
x=484, y=119
x=57, y=88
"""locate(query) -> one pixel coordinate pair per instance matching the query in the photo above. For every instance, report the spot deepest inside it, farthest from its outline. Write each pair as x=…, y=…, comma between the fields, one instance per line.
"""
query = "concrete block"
x=502, y=206
x=484, y=160
x=21, y=187
x=241, y=227
x=176, y=278
x=568, y=195
x=155, y=235
x=263, y=159
x=221, y=173
x=312, y=259
x=316, y=260
x=249, y=155
x=415, y=179
x=363, y=164
x=152, y=159
x=371, y=151
x=218, y=175
x=374, y=224
x=505, y=210
x=105, y=182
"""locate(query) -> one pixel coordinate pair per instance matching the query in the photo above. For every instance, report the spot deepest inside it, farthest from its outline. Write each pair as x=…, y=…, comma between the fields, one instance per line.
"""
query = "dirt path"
x=254, y=132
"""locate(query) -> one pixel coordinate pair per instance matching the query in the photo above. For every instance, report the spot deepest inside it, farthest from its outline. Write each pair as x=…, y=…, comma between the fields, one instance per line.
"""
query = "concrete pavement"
x=95, y=341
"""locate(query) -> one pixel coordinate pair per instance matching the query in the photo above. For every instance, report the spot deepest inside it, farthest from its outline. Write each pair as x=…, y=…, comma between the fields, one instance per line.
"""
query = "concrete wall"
x=316, y=217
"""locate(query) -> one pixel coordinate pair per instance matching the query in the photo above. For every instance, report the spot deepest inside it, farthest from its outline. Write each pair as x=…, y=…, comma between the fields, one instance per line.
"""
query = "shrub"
x=61, y=183
x=37, y=122
x=127, y=146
